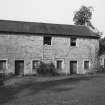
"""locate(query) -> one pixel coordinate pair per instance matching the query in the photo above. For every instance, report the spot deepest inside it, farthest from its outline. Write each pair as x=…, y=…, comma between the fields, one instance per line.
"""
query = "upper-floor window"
x=73, y=41
x=47, y=40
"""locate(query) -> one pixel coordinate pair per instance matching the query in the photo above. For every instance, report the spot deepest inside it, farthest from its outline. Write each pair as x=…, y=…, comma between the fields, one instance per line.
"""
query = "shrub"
x=9, y=75
x=101, y=69
x=46, y=69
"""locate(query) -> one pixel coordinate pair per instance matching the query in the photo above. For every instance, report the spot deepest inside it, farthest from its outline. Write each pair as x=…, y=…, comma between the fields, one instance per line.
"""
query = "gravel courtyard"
x=70, y=90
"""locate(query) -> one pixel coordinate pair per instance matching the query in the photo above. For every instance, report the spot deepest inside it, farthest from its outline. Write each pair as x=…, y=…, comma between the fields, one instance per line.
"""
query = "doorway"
x=73, y=67
x=19, y=67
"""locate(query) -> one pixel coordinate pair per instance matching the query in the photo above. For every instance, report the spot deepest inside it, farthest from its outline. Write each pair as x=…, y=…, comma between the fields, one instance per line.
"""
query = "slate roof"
x=45, y=28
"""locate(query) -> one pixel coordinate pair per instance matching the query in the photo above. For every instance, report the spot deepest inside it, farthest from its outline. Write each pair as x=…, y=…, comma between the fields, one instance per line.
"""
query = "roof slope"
x=45, y=28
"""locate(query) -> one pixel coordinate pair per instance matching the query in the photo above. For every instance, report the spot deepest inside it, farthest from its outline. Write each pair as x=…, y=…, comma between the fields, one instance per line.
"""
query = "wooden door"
x=73, y=67
x=19, y=67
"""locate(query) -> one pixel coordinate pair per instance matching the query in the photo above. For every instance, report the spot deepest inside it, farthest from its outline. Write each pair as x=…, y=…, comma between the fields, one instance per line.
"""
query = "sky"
x=51, y=11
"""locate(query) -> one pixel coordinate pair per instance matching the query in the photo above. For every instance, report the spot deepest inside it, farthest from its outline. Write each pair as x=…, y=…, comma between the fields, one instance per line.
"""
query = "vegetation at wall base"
x=101, y=69
x=2, y=77
x=47, y=69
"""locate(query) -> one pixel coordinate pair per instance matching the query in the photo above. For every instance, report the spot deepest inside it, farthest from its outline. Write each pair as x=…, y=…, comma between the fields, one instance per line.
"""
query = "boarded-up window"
x=2, y=65
x=35, y=64
x=47, y=40
x=59, y=64
x=86, y=64
x=73, y=41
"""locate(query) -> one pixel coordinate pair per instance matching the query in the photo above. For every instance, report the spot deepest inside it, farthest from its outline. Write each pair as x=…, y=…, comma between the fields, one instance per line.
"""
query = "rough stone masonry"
x=24, y=41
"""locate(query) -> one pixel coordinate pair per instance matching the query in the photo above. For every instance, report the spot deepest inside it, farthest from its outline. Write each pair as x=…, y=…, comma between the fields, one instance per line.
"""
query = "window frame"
x=33, y=64
x=59, y=68
x=6, y=62
x=47, y=40
x=85, y=68
x=73, y=41
x=104, y=62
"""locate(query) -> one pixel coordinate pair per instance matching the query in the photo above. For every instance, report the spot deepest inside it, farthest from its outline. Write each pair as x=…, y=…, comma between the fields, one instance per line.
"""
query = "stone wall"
x=30, y=47
x=85, y=49
x=21, y=47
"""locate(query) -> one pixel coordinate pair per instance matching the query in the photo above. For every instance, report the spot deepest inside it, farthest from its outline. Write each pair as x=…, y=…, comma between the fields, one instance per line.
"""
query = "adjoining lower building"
x=102, y=53
x=23, y=45
x=102, y=60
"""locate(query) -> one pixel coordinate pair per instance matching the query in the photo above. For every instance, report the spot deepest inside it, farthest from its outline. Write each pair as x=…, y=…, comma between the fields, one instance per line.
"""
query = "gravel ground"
x=61, y=90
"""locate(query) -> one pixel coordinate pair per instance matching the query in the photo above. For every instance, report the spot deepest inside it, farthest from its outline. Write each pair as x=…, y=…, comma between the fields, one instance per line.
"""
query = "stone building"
x=73, y=49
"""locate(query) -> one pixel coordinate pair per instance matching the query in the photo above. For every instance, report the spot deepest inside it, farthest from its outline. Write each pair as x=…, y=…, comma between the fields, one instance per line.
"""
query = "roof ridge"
x=49, y=28
x=1, y=20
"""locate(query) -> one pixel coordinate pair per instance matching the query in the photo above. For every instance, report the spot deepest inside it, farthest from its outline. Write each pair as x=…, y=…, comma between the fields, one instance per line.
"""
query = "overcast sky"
x=51, y=11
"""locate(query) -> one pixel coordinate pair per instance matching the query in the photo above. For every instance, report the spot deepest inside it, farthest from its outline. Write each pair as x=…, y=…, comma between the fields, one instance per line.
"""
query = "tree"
x=83, y=16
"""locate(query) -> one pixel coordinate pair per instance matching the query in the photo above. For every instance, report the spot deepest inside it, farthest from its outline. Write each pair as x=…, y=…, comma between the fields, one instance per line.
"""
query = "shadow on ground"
x=9, y=93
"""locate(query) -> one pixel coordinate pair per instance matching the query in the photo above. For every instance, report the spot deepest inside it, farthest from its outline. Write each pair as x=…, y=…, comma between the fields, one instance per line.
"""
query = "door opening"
x=73, y=67
x=19, y=67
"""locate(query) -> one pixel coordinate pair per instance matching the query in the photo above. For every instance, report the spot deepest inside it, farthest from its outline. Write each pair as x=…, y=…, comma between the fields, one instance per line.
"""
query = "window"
x=47, y=40
x=73, y=41
x=104, y=62
x=2, y=65
x=86, y=64
x=59, y=64
x=35, y=64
